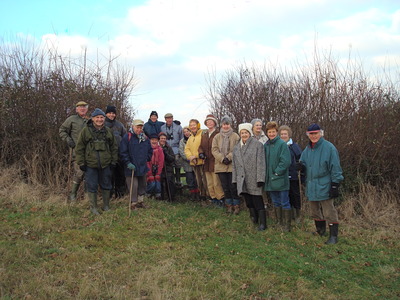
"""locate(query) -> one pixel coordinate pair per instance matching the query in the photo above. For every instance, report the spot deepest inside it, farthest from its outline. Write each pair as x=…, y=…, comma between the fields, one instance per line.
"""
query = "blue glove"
x=131, y=167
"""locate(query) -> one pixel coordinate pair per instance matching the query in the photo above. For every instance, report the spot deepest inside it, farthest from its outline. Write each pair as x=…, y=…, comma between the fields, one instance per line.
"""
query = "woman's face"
x=244, y=135
x=285, y=135
x=226, y=127
x=154, y=142
x=257, y=128
x=186, y=132
x=163, y=140
x=272, y=133
x=193, y=127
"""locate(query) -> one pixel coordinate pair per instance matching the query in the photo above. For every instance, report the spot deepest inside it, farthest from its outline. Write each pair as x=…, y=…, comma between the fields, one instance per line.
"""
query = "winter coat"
x=117, y=128
x=183, y=159
x=261, y=138
x=169, y=158
x=131, y=150
x=176, y=132
x=219, y=167
x=151, y=127
x=155, y=165
x=277, y=158
x=322, y=166
x=192, y=148
x=205, y=147
x=248, y=167
x=295, y=153
x=96, y=148
x=70, y=129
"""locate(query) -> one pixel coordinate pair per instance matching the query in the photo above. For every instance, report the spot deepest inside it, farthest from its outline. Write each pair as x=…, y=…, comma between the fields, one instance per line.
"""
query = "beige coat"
x=219, y=167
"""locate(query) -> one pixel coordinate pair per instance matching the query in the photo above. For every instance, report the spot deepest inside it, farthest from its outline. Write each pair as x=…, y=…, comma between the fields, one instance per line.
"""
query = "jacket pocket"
x=277, y=182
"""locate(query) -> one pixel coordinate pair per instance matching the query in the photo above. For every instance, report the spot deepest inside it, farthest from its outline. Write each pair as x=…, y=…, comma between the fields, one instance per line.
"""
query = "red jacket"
x=156, y=164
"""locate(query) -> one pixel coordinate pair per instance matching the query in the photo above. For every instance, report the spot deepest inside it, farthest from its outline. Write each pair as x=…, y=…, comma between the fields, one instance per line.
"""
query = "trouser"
x=95, y=177
x=138, y=186
x=201, y=180
x=324, y=210
x=254, y=201
x=168, y=186
x=191, y=180
x=118, y=180
x=280, y=199
x=78, y=174
x=229, y=188
x=294, y=194
x=153, y=187
x=214, y=186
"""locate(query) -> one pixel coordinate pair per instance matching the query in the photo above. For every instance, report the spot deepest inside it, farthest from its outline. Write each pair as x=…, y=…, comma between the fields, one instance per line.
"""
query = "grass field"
x=185, y=250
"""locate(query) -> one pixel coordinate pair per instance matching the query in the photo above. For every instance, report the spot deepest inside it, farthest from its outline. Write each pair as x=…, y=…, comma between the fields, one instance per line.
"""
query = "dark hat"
x=154, y=113
x=211, y=117
x=111, y=108
x=153, y=136
x=226, y=120
x=313, y=128
x=98, y=112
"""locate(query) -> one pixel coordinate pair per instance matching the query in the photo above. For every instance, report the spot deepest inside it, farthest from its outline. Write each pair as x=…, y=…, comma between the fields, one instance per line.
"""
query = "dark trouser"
x=168, y=188
x=254, y=201
x=138, y=186
x=229, y=188
x=95, y=177
x=118, y=180
x=294, y=194
x=191, y=180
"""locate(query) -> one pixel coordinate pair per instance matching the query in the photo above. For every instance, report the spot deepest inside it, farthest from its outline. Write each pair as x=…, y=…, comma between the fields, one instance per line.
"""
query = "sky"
x=172, y=45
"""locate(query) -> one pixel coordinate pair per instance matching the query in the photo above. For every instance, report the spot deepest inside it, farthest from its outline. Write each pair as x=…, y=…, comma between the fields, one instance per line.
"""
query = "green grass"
x=184, y=251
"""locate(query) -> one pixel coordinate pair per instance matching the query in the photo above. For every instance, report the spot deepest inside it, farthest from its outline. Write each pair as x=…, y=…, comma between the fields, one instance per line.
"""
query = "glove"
x=226, y=161
x=334, y=192
x=71, y=143
x=260, y=184
x=131, y=167
x=300, y=167
x=202, y=156
x=83, y=168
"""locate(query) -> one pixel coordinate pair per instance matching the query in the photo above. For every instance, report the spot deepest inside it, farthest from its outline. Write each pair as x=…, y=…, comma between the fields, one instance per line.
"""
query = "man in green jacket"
x=97, y=155
x=69, y=132
x=320, y=160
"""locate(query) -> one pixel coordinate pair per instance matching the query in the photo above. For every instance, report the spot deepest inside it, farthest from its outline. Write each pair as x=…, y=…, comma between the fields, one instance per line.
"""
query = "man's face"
x=154, y=142
x=111, y=115
x=244, y=135
x=153, y=118
x=169, y=120
x=272, y=133
x=98, y=121
x=163, y=140
x=314, y=136
x=82, y=110
x=137, y=129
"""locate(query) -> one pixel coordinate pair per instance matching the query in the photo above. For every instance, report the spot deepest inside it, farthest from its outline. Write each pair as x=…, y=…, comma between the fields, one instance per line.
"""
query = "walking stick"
x=69, y=169
x=130, y=194
x=300, y=187
x=167, y=184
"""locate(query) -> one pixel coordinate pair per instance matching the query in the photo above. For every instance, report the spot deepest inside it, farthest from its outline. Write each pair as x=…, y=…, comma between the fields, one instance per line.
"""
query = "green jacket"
x=96, y=148
x=71, y=128
x=322, y=168
x=278, y=160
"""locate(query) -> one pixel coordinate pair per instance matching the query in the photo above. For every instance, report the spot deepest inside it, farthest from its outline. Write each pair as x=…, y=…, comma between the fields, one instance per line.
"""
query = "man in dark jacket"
x=152, y=126
x=69, y=132
x=135, y=151
x=320, y=161
x=167, y=176
x=96, y=155
x=118, y=129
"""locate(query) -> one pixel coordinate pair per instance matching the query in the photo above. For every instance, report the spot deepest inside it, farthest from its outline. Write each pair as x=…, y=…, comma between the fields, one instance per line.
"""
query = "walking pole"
x=167, y=184
x=69, y=169
x=130, y=194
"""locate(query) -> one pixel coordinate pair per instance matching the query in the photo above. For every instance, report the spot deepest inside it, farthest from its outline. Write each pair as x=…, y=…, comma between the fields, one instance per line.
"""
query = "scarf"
x=289, y=142
x=225, y=141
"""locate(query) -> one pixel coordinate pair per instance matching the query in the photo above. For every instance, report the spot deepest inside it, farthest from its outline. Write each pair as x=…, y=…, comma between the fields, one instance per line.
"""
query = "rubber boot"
x=333, y=234
x=278, y=215
x=287, y=219
x=74, y=192
x=106, y=199
x=93, y=203
x=263, y=220
x=253, y=215
x=320, y=225
x=297, y=213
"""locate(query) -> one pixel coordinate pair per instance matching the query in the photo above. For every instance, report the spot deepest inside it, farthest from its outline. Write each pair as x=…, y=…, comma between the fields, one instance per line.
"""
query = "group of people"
x=220, y=165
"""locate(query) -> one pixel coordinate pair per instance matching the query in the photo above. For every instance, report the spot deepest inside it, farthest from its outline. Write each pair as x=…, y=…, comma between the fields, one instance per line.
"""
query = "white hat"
x=246, y=126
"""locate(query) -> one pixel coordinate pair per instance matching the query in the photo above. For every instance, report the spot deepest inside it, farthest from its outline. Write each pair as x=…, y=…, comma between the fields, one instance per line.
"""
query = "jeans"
x=95, y=177
x=280, y=199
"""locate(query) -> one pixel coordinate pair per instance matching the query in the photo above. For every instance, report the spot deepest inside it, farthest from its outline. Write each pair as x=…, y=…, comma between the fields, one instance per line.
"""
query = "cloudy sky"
x=173, y=44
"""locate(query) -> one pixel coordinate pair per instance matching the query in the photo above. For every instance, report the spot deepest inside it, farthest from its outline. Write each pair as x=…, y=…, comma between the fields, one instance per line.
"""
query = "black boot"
x=263, y=220
x=253, y=215
x=320, y=225
x=333, y=233
x=287, y=219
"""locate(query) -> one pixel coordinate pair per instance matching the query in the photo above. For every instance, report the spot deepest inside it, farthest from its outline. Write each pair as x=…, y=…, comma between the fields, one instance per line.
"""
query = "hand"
x=202, y=156
x=131, y=167
x=260, y=184
x=300, y=167
x=83, y=168
x=226, y=161
x=71, y=143
x=334, y=192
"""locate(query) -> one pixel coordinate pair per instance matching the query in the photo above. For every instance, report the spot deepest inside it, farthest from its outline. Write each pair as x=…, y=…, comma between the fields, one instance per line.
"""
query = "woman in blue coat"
x=135, y=151
x=320, y=160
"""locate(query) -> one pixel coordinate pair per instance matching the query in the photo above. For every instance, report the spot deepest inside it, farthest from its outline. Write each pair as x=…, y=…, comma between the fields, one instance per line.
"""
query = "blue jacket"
x=295, y=153
x=151, y=127
x=322, y=167
x=135, y=152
